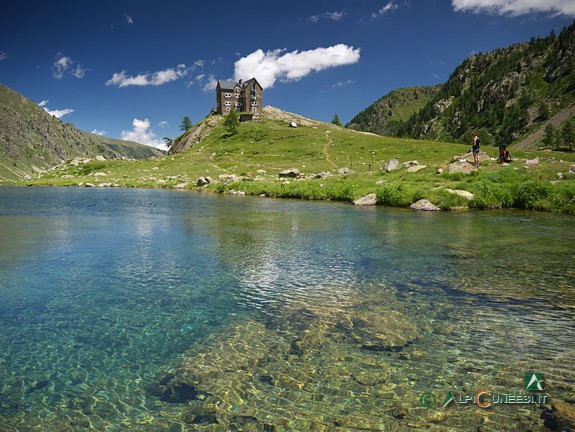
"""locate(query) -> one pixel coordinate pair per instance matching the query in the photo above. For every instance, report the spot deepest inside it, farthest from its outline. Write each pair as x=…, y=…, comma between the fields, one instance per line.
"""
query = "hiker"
x=504, y=155
x=475, y=148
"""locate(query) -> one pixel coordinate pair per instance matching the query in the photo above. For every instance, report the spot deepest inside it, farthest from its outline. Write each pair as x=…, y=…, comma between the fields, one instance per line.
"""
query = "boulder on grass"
x=367, y=200
x=290, y=172
x=202, y=181
x=424, y=205
x=390, y=165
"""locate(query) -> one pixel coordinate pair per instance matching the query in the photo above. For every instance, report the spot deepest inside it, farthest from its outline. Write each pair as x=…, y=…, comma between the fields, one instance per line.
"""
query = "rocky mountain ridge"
x=507, y=95
x=32, y=141
x=395, y=106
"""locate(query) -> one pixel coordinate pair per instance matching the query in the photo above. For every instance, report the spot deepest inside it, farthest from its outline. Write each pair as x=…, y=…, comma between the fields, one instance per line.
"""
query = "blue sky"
x=134, y=68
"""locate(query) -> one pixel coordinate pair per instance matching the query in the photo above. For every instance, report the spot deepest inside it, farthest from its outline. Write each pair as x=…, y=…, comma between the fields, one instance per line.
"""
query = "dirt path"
x=328, y=143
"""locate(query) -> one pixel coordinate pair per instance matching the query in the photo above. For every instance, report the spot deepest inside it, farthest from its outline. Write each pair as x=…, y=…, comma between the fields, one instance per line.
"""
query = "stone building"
x=240, y=96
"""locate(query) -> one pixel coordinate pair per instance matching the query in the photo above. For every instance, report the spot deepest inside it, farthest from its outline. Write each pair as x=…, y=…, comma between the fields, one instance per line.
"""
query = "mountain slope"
x=507, y=94
x=397, y=105
x=31, y=140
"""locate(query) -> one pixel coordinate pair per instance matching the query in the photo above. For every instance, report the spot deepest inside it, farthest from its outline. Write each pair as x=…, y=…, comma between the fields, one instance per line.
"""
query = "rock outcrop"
x=290, y=173
x=424, y=205
x=391, y=165
x=367, y=200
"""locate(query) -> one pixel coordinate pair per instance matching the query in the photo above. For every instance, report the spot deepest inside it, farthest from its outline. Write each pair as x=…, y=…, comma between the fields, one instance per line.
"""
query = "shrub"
x=530, y=195
x=397, y=195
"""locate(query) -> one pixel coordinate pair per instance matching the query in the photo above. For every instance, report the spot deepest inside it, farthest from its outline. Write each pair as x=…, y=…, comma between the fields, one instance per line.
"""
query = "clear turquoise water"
x=283, y=315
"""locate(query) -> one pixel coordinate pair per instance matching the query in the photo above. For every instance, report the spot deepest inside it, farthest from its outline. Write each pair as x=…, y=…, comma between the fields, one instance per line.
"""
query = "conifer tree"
x=549, y=136
x=232, y=121
x=336, y=120
x=186, y=124
x=544, y=112
x=568, y=134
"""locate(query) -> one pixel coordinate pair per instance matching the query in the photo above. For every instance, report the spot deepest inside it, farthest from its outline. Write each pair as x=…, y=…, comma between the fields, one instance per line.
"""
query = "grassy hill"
x=507, y=95
x=396, y=106
x=31, y=140
x=335, y=164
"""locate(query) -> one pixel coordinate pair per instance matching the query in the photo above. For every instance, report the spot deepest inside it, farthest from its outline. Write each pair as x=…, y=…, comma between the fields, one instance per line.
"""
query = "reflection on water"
x=159, y=310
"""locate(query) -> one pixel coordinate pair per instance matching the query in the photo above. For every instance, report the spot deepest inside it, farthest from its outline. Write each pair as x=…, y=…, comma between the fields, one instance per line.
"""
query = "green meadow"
x=260, y=150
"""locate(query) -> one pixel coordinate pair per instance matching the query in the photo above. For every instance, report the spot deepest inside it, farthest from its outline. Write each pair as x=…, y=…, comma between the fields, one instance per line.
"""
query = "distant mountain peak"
x=508, y=95
x=31, y=140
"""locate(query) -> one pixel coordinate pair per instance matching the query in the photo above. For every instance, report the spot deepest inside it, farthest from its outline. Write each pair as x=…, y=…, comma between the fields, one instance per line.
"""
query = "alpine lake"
x=159, y=310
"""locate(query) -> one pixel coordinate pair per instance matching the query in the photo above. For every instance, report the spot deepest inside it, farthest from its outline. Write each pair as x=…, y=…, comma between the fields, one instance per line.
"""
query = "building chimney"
x=240, y=82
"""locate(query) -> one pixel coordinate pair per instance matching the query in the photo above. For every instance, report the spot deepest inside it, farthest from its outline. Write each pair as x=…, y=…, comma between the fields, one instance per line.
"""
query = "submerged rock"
x=172, y=388
x=563, y=414
x=381, y=329
x=371, y=378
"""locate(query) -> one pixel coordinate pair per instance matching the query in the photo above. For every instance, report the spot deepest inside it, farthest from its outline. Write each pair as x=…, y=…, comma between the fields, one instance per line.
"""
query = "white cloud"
x=78, y=72
x=273, y=65
x=389, y=7
x=332, y=16
x=99, y=132
x=198, y=64
x=163, y=124
x=60, y=66
x=64, y=65
x=56, y=113
x=143, y=134
x=206, y=82
x=341, y=84
x=60, y=113
x=515, y=7
x=129, y=18
x=148, y=79
x=3, y=55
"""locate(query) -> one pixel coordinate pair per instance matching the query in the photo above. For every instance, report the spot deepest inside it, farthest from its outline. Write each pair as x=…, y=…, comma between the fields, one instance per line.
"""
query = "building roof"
x=227, y=85
x=250, y=81
x=231, y=85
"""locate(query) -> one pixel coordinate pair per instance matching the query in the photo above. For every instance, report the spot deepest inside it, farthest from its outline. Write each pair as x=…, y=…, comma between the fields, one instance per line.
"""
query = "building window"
x=254, y=104
x=228, y=109
x=227, y=95
x=228, y=103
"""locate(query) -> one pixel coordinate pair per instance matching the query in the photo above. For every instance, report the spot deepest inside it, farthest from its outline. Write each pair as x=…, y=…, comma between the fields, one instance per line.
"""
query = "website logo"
x=534, y=381
x=484, y=398
x=448, y=399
